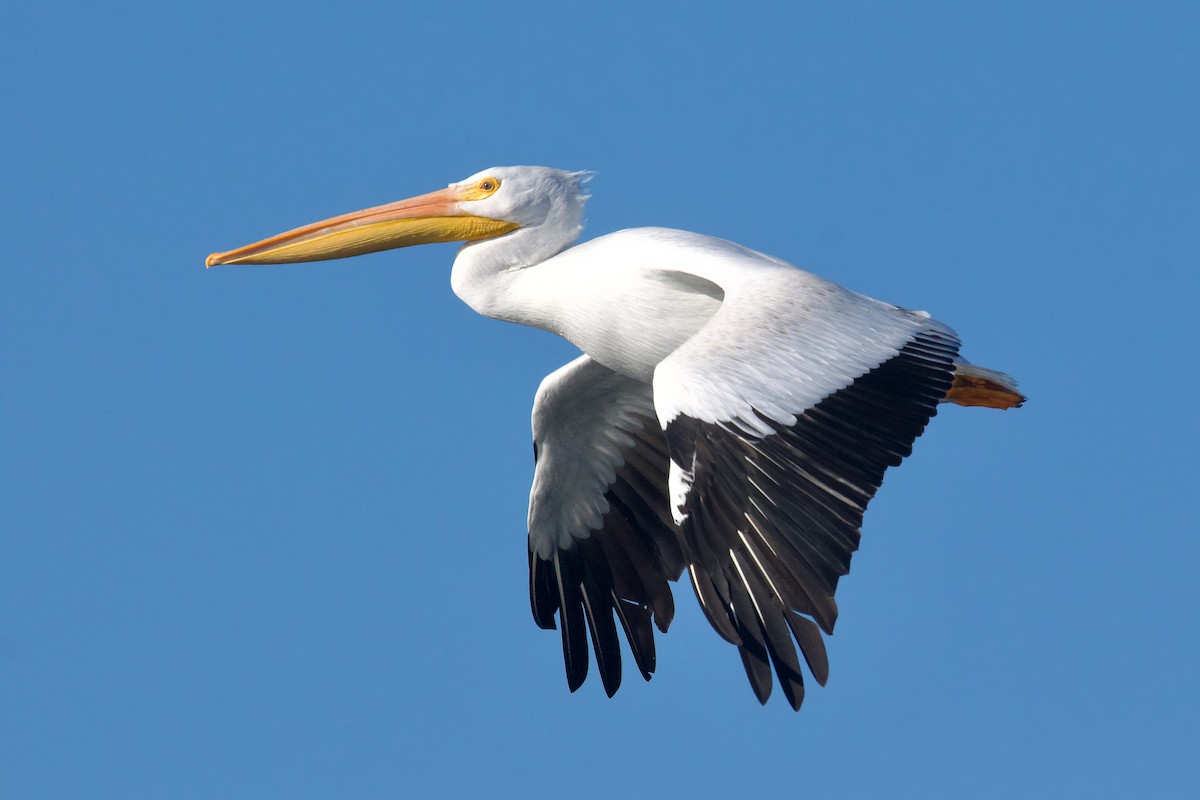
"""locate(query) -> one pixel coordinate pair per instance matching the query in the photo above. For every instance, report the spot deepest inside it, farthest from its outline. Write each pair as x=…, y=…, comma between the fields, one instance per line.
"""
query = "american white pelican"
x=731, y=414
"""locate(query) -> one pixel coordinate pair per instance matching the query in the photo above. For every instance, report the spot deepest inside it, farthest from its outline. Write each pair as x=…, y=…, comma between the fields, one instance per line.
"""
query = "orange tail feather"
x=977, y=386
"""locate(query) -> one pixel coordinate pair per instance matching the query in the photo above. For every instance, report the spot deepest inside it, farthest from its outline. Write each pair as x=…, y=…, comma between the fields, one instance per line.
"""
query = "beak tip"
x=212, y=261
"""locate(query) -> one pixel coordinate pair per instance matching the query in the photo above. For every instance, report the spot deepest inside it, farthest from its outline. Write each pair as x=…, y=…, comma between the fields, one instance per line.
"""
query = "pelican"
x=731, y=415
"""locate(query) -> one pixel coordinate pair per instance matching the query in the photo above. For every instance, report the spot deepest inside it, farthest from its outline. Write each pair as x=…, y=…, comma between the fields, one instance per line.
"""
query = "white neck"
x=498, y=277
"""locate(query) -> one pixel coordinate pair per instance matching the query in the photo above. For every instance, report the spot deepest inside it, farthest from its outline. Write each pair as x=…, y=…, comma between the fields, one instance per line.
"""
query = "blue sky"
x=262, y=529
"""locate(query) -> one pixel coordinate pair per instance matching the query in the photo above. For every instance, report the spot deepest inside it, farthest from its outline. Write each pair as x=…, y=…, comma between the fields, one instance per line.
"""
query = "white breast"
x=629, y=299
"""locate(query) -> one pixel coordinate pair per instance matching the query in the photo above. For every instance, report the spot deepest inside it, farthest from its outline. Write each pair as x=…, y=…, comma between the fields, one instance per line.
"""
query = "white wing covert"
x=781, y=416
x=601, y=539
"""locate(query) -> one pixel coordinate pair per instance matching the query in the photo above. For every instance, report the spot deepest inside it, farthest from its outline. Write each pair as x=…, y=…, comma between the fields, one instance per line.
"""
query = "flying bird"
x=731, y=415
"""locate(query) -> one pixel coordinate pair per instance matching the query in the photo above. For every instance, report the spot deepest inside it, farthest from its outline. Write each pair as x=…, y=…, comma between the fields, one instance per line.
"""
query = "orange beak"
x=428, y=218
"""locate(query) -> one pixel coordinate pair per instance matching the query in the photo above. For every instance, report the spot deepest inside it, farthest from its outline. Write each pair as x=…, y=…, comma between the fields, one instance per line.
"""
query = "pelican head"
x=487, y=205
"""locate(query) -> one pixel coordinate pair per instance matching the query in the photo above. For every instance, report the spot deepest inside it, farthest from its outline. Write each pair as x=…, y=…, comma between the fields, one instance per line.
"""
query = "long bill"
x=426, y=219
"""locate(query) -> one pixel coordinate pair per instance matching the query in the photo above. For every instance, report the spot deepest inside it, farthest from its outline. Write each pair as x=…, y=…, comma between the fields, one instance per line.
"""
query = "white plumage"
x=732, y=414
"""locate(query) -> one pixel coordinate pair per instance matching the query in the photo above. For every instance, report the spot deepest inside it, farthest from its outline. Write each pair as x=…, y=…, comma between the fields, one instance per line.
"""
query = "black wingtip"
x=812, y=646
x=597, y=606
x=573, y=625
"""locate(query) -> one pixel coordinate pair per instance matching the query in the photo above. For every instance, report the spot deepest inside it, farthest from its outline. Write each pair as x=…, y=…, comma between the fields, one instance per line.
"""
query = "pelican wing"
x=601, y=538
x=781, y=415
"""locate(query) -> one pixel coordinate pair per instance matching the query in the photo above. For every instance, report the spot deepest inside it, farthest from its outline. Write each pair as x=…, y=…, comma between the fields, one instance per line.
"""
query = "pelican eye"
x=481, y=189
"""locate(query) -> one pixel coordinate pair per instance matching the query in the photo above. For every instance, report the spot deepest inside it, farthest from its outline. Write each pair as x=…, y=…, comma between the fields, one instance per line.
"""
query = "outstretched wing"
x=601, y=538
x=781, y=415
